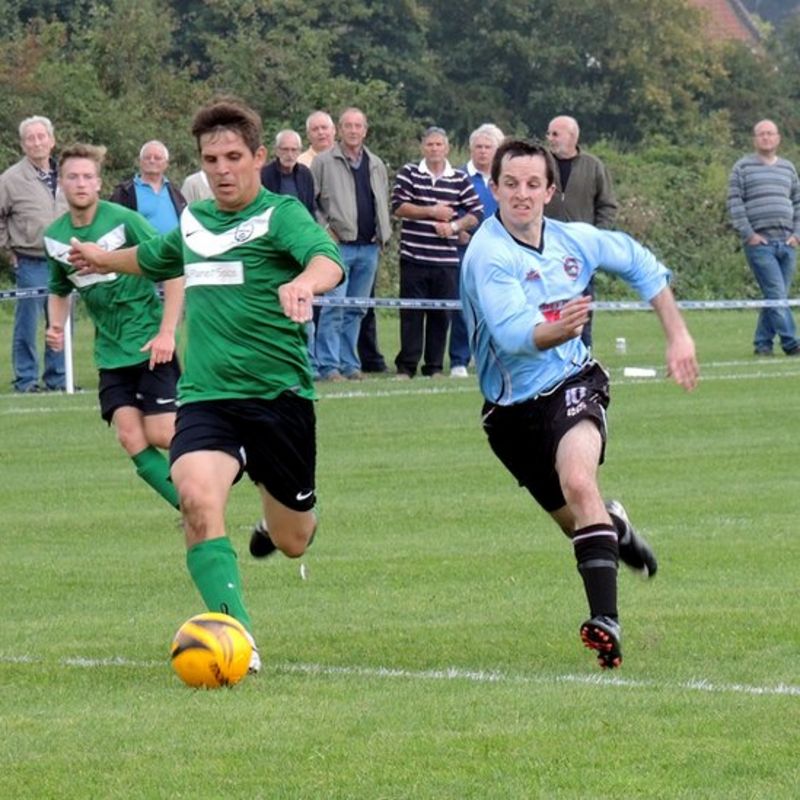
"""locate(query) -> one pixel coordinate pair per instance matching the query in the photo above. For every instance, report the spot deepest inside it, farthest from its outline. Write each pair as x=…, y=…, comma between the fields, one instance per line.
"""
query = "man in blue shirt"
x=545, y=412
x=150, y=191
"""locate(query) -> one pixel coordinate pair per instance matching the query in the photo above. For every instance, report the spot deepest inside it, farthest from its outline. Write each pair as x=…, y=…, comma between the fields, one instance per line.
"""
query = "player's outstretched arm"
x=89, y=258
x=320, y=275
x=681, y=358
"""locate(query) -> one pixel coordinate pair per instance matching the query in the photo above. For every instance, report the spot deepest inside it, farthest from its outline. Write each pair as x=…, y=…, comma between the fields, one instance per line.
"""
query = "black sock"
x=597, y=554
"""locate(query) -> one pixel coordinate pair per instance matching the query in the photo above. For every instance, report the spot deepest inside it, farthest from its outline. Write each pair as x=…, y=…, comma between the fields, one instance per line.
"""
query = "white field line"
x=453, y=674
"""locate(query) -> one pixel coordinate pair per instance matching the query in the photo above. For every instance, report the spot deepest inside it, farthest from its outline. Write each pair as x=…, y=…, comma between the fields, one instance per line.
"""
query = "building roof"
x=728, y=19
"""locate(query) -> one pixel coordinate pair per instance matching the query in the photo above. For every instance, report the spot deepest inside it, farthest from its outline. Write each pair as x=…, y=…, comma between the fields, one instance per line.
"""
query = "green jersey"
x=125, y=309
x=239, y=343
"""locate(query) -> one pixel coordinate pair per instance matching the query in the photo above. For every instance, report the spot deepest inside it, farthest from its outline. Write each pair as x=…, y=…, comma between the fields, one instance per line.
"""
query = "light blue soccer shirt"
x=508, y=287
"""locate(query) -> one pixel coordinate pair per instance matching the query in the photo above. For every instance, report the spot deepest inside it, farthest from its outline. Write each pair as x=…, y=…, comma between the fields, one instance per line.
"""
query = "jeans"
x=773, y=265
x=459, y=341
x=32, y=273
x=337, y=332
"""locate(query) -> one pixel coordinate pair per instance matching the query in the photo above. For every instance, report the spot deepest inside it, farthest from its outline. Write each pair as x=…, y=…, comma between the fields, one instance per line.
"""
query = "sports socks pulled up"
x=214, y=568
x=597, y=554
x=153, y=468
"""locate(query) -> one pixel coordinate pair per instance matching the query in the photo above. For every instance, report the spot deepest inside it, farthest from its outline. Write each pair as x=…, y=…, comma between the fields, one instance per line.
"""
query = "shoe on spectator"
x=261, y=545
x=32, y=388
x=633, y=549
x=402, y=376
x=795, y=351
x=459, y=372
x=333, y=377
x=763, y=352
x=604, y=635
x=358, y=375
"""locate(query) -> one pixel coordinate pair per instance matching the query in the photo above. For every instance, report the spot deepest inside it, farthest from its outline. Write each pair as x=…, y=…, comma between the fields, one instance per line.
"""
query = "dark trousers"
x=371, y=358
x=424, y=331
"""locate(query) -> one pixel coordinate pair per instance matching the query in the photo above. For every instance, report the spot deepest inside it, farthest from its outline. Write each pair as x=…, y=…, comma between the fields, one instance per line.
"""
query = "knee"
x=293, y=541
x=131, y=439
x=579, y=489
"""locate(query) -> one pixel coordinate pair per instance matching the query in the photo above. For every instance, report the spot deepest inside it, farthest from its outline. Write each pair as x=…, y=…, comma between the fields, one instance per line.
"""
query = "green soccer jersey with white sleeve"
x=239, y=343
x=125, y=309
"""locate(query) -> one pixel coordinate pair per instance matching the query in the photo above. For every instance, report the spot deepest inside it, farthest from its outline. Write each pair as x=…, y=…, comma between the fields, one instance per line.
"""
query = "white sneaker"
x=255, y=658
x=459, y=372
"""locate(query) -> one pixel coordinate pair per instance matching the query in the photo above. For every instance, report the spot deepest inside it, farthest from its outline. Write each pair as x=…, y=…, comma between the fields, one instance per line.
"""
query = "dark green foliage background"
x=668, y=110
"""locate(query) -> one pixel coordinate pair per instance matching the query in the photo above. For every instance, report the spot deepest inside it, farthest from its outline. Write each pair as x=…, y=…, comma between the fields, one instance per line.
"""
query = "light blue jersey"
x=508, y=287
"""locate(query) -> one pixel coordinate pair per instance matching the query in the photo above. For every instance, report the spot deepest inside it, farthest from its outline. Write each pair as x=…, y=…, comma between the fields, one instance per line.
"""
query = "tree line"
x=665, y=107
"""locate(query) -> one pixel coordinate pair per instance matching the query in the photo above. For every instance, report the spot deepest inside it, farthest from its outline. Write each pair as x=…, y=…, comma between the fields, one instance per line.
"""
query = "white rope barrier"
x=455, y=305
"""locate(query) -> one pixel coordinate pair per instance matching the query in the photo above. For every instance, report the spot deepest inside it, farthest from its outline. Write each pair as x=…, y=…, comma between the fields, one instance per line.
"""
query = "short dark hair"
x=94, y=153
x=515, y=148
x=229, y=114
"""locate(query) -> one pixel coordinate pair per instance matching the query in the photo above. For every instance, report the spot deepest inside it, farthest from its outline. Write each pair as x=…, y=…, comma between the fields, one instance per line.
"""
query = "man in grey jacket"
x=352, y=187
x=29, y=202
x=584, y=192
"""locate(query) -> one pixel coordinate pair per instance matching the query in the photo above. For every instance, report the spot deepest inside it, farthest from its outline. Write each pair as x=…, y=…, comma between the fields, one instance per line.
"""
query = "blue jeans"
x=32, y=273
x=459, y=341
x=773, y=265
x=337, y=331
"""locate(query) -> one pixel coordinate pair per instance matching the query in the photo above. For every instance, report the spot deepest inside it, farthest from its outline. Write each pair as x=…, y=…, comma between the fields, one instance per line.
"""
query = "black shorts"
x=274, y=441
x=525, y=436
x=152, y=391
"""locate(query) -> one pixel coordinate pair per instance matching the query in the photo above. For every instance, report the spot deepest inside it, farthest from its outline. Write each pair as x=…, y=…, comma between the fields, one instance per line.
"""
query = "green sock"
x=215, y=572
x=153, y=469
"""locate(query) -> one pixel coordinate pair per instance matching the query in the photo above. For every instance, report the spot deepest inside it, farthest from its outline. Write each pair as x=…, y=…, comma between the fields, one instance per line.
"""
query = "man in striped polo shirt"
x=764, y=206
x=435, y=203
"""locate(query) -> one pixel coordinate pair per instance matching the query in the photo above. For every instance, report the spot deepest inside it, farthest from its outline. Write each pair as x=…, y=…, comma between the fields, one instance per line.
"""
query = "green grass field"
x=432, y=651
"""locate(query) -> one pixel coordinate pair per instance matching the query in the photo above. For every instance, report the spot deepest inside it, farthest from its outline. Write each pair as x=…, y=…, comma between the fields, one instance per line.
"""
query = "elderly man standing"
x=483, y=143
x=320, y=131
x=353, y=199
x=584, y=191
x=284, y=174
x=29, y=202
x=150, y=192
x=436, y=203
x=764, y=206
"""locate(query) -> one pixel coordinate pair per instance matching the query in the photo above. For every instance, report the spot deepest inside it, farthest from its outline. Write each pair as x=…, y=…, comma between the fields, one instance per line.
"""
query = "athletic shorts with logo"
x=152, y=391
x=525, y=436
x=274, y=441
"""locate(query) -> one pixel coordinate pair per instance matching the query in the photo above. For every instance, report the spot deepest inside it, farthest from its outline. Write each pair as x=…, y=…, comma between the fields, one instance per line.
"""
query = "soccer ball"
x=211, y=650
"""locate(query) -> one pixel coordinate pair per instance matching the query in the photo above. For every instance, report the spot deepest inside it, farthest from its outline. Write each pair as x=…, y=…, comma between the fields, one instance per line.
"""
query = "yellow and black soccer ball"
x=211, y=650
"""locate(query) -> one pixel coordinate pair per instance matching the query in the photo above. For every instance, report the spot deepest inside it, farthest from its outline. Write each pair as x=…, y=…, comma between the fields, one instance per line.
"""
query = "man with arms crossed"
x=253, y=262
x=137, y=390
x=545, y=398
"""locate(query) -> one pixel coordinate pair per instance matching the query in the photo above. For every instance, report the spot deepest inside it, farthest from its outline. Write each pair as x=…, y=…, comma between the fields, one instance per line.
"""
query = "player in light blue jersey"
x=545, y=397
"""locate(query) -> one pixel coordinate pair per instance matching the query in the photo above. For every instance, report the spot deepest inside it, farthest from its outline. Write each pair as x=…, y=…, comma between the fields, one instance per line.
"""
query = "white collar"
x=448, y=170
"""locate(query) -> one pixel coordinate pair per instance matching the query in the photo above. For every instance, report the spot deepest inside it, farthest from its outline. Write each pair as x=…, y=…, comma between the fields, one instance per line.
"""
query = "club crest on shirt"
x=571, y=267
x=244, y=232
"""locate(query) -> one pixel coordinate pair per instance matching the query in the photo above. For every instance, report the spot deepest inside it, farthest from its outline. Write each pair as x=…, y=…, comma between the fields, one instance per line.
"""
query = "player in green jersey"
x=134, y=346
x=253, y=262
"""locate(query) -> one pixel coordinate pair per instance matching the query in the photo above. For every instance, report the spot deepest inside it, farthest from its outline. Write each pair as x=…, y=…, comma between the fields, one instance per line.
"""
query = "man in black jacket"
x=150, y=192
x=284, y=175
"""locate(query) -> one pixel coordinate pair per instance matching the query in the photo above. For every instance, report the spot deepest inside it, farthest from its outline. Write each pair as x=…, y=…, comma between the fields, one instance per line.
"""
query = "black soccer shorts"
x=274, y=442
x=152, y=391
x=525, y=436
